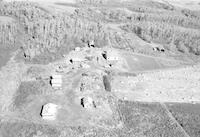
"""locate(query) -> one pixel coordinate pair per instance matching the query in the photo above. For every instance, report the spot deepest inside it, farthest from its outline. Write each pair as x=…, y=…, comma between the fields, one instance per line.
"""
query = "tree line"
x=46, y=32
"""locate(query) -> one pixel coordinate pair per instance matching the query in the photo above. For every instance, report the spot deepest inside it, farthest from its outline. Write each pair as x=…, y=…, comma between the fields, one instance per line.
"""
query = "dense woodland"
x=176, y=28
x=46, y=32
x=39, y=32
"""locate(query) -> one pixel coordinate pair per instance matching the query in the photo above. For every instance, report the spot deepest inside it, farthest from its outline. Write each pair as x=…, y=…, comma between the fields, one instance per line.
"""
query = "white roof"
x=49, y=111
x=88, y=102
x=56, y=81
x=112, y=56
x=77, y=58
x=56, y=85
x=57, y=76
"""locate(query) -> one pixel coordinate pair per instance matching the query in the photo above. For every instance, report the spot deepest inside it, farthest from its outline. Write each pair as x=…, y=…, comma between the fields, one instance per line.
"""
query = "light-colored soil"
x=176, y=85
x=131, y=90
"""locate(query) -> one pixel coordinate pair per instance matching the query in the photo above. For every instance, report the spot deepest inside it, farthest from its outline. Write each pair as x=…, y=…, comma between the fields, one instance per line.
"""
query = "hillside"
x=99, y=68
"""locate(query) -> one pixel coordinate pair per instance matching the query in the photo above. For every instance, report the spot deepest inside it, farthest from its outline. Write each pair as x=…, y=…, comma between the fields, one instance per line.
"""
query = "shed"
x=78, y=59
x=77, y=49
x=56, y=81
x=104, y=55
x=49, y=111
x=91, y=43
x=56, y=76
x=88, y=103
x=159, y=48
x=75, y=57
x=112, y=55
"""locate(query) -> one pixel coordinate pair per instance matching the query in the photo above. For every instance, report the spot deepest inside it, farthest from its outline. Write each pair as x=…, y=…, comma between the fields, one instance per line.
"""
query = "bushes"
x=8, y=33
x=167, y=34
x=114, y=15
x=170, y=17
x=169, y=26
x=47, y=32
x=25, y=90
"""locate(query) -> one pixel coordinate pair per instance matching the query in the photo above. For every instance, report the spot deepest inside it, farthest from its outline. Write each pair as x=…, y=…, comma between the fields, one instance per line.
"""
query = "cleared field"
x=141, y=63
x=175, y=85
x=32, y=95
x=138, y=120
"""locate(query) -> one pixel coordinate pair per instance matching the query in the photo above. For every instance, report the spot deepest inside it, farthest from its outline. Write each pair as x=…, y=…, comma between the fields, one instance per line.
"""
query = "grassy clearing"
x=24, y=129
x=27, y=89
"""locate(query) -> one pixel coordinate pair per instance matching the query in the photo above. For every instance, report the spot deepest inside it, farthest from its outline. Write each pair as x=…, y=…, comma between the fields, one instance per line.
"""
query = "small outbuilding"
x=49, y=111
x=91, y=43
x=56, y=81
x=88, y=103
x=110, y=55
x=159, y=48
x=77, y=59
x=85, y=66
x=77, y=49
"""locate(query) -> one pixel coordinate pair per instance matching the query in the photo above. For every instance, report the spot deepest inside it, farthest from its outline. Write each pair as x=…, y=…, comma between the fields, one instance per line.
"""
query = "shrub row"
x=184, y=39
x=45, y=31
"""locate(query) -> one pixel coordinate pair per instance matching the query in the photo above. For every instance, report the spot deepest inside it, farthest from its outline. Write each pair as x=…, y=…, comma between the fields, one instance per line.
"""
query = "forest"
x=39, y=32
x=43, y=32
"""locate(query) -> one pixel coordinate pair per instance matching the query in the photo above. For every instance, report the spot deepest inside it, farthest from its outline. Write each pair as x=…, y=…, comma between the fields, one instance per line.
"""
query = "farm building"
x=77, y=49
x=78, y=59
x=49, y=111
x=159, y=48
x=88, y=103
x=110, y=55
x=56, y=81
x=91, y=43
x=75, y=56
